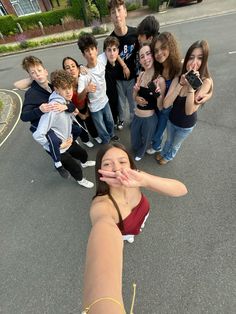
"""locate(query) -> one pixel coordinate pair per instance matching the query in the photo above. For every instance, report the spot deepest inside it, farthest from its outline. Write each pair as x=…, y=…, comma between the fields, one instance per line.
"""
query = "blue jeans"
x=104, y=123
x=142, y=130
x=175, y=137
x=125, y=90
x=163, y=116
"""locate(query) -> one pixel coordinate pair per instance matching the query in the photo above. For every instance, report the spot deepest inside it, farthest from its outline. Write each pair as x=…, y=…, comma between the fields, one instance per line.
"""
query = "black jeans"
x=69, y=160
x=88, y=124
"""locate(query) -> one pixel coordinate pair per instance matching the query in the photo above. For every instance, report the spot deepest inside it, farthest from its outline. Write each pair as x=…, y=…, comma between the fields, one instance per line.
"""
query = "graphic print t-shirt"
x=127, y=50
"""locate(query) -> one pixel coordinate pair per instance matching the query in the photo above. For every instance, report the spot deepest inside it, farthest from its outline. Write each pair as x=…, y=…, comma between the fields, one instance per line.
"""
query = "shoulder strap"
x=117, y=209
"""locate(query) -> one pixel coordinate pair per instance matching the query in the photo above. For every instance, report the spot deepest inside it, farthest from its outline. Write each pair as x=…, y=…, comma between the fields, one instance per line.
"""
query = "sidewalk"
x=170, y=16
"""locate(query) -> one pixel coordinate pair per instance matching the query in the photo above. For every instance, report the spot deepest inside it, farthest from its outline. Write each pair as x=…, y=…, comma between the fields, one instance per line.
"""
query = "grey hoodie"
x=59, y=122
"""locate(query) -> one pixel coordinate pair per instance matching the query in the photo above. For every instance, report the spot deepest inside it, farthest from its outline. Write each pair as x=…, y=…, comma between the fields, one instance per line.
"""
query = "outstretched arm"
x=23, y=84
x=133, y=178
x=103, y=269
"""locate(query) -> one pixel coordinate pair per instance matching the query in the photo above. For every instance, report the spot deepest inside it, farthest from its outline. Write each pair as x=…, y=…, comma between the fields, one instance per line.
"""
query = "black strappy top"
x=148, y=96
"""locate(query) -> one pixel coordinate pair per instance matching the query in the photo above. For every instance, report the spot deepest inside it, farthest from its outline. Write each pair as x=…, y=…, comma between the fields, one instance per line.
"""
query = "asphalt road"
x=184, y=260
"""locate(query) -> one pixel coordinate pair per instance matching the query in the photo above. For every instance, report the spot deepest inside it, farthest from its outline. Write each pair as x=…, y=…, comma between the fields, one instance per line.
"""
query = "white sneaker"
x=128, y=237
x=151, y=151
x=137, y=158
x=87, y=184
x=89, y=144
x=88, y=163
x=98, y=140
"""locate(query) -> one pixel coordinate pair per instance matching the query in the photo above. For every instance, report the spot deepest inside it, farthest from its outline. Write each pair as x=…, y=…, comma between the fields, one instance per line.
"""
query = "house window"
x=2, y=10
x=25, y=7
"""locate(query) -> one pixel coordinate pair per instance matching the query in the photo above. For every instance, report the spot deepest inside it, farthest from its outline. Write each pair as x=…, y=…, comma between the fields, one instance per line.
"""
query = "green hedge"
x=47, y=18
x=102, y=7
x=131, y=6
x=154, y=4
x=8, y=25
x=78, y=7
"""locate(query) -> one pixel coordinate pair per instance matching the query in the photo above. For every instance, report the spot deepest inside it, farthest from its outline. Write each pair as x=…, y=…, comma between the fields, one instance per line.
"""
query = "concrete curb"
x=65, y=43
x=7, y=103
x=9, y=113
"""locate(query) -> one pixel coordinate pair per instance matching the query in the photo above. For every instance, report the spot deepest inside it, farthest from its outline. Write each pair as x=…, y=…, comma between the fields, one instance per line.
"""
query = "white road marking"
x=18, y=118
x=232, y=52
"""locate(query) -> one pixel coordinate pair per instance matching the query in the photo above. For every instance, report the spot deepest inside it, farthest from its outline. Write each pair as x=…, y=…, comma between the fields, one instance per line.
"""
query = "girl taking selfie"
x=186, y=99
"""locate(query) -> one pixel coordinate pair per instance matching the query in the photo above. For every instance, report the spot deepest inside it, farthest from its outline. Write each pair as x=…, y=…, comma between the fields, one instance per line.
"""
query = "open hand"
x=67, y=143
x=45, y=107
x=83, y=70
x=58, y=107
x=124, y=177
x=141, y=101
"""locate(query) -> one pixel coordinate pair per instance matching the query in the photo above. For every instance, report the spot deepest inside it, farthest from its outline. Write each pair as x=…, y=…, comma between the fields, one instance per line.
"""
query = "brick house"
x=24, y=7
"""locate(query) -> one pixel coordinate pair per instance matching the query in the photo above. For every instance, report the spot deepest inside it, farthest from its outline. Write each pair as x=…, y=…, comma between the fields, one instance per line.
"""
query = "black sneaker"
x=63, y=172
x=115, y=138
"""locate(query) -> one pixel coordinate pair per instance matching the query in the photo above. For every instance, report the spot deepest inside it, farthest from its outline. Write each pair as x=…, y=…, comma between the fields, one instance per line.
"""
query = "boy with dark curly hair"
x=61, y=124
x=93, y=85
x=147, y=29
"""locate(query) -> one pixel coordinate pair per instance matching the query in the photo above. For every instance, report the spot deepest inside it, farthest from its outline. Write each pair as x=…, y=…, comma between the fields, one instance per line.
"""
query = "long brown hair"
x=102, y=188
x=174, y=59
x=147, y=44
x=203, y=70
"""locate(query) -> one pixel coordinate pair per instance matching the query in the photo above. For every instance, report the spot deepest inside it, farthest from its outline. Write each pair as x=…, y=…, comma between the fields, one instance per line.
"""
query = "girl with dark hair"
x=144, y=122
x=186, y=100
x=118, y=208
x=71, y=66
x=118, y=192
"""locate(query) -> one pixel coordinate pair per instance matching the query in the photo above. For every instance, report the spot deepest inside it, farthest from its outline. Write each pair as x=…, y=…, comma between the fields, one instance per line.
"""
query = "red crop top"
x=80, y=104
x=133, y=222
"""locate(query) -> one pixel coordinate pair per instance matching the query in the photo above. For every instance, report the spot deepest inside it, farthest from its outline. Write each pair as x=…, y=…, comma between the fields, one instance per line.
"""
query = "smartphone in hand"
x=193, y=80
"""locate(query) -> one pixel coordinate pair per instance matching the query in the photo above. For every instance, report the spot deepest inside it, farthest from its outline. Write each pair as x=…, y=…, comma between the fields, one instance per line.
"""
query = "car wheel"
x=198, y=1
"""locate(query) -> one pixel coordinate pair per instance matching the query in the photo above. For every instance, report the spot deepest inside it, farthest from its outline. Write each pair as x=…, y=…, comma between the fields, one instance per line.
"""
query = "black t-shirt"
x=127, y=50
x=111, y=75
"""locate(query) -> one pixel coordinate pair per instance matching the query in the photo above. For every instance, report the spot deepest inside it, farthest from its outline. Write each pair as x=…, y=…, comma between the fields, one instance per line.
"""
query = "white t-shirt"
x=96, y=75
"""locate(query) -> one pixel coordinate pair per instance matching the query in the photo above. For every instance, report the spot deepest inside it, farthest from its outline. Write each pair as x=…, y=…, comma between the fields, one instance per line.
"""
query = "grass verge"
x=27, y=44
x=1, y=106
